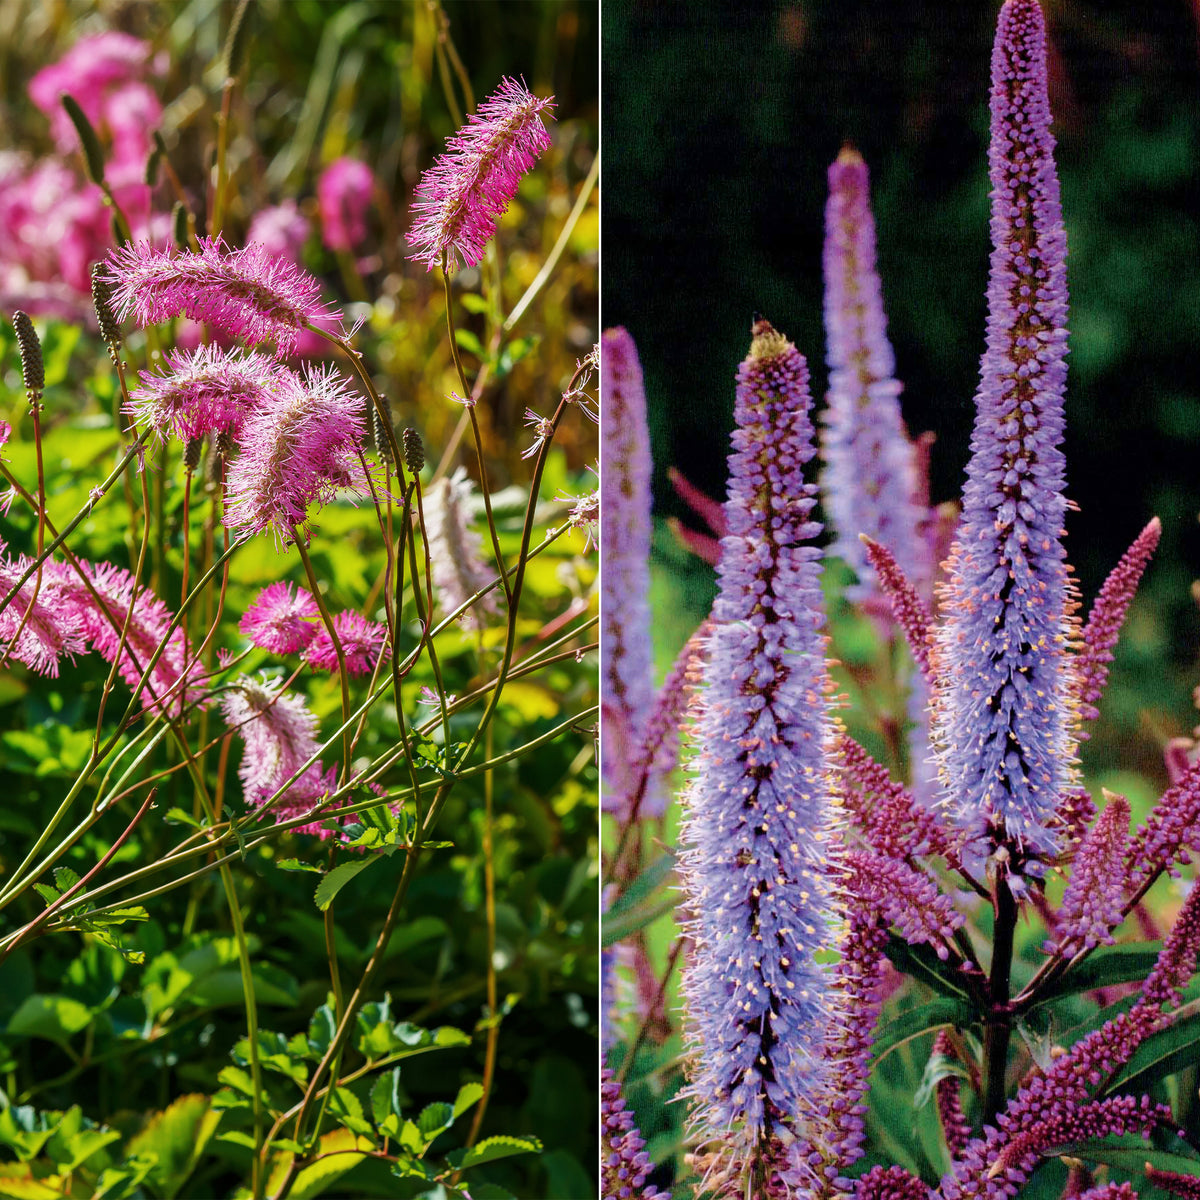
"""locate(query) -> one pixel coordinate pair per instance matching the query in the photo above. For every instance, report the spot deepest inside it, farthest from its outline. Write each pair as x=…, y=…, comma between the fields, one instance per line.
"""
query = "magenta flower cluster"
x=462, y=196
x=53, y=223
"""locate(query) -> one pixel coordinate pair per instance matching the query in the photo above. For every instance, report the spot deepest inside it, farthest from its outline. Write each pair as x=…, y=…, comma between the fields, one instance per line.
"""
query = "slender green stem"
x=542, y=277
x=484, y=485
x=343, y=676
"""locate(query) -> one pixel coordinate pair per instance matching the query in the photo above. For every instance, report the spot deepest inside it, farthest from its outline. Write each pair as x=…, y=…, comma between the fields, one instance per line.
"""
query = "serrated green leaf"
x=385, y=1098
x=337, y=879
x=294, y=864
x=491, y=1149
x=435, y=1118
x=65, y=878
x=47, y=892
x=176, y=1137
x=468, y=1095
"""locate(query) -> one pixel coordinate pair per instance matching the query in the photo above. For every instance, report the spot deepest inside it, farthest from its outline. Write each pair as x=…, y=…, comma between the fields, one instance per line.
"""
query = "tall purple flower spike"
x=1004, y=712
x=760, y=814
x=870, y=483
x=626, y=657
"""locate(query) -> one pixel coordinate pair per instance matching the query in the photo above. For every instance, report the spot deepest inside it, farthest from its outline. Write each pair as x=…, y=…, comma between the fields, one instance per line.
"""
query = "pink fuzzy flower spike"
x=361, y=641
x=461, y=197
x=208, y=390
x=281, y=619
x=247, y=293
x=297, y=450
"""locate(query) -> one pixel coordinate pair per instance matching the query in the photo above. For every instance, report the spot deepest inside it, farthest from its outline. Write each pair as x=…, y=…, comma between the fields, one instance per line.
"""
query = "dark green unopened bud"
x=110, y=328
x=179, y=225
x=33, y=369
x=191, y=453
x=380, y=428
x=93, y=157
x=118, y=234
x=414, y=451
x=152, y=165
x=235, y=41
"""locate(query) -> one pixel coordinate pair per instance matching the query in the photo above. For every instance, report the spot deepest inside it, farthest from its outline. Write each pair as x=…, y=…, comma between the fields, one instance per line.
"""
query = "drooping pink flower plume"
x=247, y=293
x=280, y=735
x=1037, y=1117
x=1105, y=620
x=54, y=627
x=1187, y=1186
x=343, y=200
x=889, y=1183
x=298, y=449
x=909, y=899
x=205, y=391
x=833, y=1125
x=889, y=816
x=362, y=641
x=147, y=629
x=908, y=607
x=955, y=1127
x=461, y=197
x=1171, y=831
x=281, y=619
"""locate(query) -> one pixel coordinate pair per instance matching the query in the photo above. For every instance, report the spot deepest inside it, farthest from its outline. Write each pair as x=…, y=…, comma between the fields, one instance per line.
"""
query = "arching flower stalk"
x=1004, y=707
x=761, y=813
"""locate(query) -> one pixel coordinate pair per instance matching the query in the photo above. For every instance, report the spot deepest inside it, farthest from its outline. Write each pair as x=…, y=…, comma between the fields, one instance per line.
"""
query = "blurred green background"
x=719, y=124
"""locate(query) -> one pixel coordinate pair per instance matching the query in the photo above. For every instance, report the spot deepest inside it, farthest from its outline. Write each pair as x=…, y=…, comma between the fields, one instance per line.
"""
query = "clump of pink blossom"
x=361, y=640
x=208, y=390
x=299, y=449
x=247, y=292
x=281, y=230
x=281, y=619
x=467, y=190
x=343, y=199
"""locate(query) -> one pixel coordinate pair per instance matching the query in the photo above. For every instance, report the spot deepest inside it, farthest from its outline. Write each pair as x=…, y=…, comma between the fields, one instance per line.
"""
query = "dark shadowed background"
x=719, y=123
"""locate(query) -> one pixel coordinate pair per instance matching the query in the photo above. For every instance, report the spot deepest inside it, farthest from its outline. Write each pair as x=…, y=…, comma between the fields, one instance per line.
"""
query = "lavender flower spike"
x=626, y=658
x=870, y=482
x=761, y=813
x=1004, y=711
